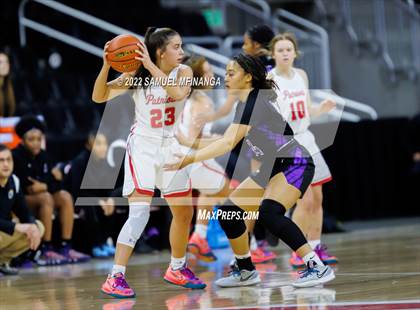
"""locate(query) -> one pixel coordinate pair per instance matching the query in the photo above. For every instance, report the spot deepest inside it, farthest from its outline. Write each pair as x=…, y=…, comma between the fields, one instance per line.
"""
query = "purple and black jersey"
x=270, y=135
x=271, y=141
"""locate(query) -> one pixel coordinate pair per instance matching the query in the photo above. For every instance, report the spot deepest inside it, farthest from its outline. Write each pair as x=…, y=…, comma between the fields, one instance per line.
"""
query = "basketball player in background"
x=295, y=104
x=208, y=177
x=256, y=43
x=151, y=142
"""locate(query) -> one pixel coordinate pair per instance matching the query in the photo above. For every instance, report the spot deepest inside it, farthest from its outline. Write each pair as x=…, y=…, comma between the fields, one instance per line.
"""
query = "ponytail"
x=154, y=39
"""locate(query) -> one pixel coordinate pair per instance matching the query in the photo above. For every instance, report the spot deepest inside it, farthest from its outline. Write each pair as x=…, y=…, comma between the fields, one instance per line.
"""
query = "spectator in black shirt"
x=43, y=193
x=16, y=235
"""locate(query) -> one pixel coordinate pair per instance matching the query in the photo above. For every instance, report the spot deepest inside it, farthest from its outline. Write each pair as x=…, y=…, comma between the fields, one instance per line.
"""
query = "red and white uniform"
x=206, y=176
x=152, y=143
x=292, y=102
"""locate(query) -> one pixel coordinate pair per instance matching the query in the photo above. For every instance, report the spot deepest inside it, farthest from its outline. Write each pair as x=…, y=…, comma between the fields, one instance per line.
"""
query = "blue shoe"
x=314, y=275
x=238, y=278
x=109, y=249
x=99, y=252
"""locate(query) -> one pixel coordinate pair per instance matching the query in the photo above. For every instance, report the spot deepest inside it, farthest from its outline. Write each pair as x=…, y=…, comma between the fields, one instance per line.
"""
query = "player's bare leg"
x=182, y=214
x=197, y=243
x=315, y=227
x=308, y=215
x=178, y=272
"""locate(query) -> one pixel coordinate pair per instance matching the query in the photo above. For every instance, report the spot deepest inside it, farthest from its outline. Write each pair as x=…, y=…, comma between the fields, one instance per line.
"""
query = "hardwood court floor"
x=379, y=269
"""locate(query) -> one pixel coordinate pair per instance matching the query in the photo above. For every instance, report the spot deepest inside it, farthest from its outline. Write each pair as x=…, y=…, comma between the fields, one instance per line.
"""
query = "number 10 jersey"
x=292, y=100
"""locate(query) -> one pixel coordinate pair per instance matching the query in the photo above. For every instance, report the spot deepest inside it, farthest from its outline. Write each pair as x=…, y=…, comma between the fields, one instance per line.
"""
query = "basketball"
x=121, y=53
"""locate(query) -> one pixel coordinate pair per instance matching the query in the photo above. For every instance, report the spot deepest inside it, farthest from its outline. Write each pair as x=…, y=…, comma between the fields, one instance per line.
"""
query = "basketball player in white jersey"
x=295, y=104
x=208, y=176
x=150, y=144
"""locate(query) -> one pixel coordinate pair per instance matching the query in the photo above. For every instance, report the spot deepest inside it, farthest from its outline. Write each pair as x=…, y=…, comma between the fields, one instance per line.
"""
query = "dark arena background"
x=362, y=54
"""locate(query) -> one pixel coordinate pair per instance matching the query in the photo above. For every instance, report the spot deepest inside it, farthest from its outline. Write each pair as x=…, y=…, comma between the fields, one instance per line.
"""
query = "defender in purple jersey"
x=286, y=172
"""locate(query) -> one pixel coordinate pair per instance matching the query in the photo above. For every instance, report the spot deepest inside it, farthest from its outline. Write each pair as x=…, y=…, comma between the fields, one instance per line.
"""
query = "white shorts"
x=322, y=172
x=144, y=161
x=207, y=176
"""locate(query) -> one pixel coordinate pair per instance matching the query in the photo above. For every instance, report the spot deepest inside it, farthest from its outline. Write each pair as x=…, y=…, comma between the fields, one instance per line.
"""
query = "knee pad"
x=231, y=219
x=270, y=209
x=134, y=226
x=273, y=218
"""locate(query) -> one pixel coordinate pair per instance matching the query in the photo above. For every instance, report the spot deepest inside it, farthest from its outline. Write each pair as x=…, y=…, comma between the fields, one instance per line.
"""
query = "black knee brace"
x=231, y=219
x=269, y=206
x=272, y=217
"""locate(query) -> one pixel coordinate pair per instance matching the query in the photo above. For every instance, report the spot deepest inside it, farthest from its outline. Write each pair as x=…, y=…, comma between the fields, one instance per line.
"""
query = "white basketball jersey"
x=186, y=120
x=292, y=100
x=156, y=113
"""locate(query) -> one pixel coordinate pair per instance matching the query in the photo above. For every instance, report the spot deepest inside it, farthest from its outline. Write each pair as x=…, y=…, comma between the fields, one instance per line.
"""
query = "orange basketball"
x=121, y=53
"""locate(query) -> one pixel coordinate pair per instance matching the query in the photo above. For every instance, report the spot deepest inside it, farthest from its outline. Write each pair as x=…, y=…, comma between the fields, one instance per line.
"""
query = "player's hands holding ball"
x=106, y=63
x=143, y=55
x=179, y=162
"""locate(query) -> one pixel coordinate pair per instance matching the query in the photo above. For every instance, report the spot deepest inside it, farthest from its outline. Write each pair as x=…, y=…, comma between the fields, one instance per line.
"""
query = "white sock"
x=243, y=256
x=312, y=256
x=117, y=268
x=201, y=230
x=253, y=245
x=314, y=243
x=177, y=263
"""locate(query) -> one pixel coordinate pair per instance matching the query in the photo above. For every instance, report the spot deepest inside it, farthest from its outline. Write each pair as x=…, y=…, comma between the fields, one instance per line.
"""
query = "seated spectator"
x=16, y=235
x=101, y=215
x=7, y=96
x=43, y=194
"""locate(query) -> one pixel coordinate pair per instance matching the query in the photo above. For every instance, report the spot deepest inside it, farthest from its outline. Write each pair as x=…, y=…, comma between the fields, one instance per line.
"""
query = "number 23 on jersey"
x=157, y=119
